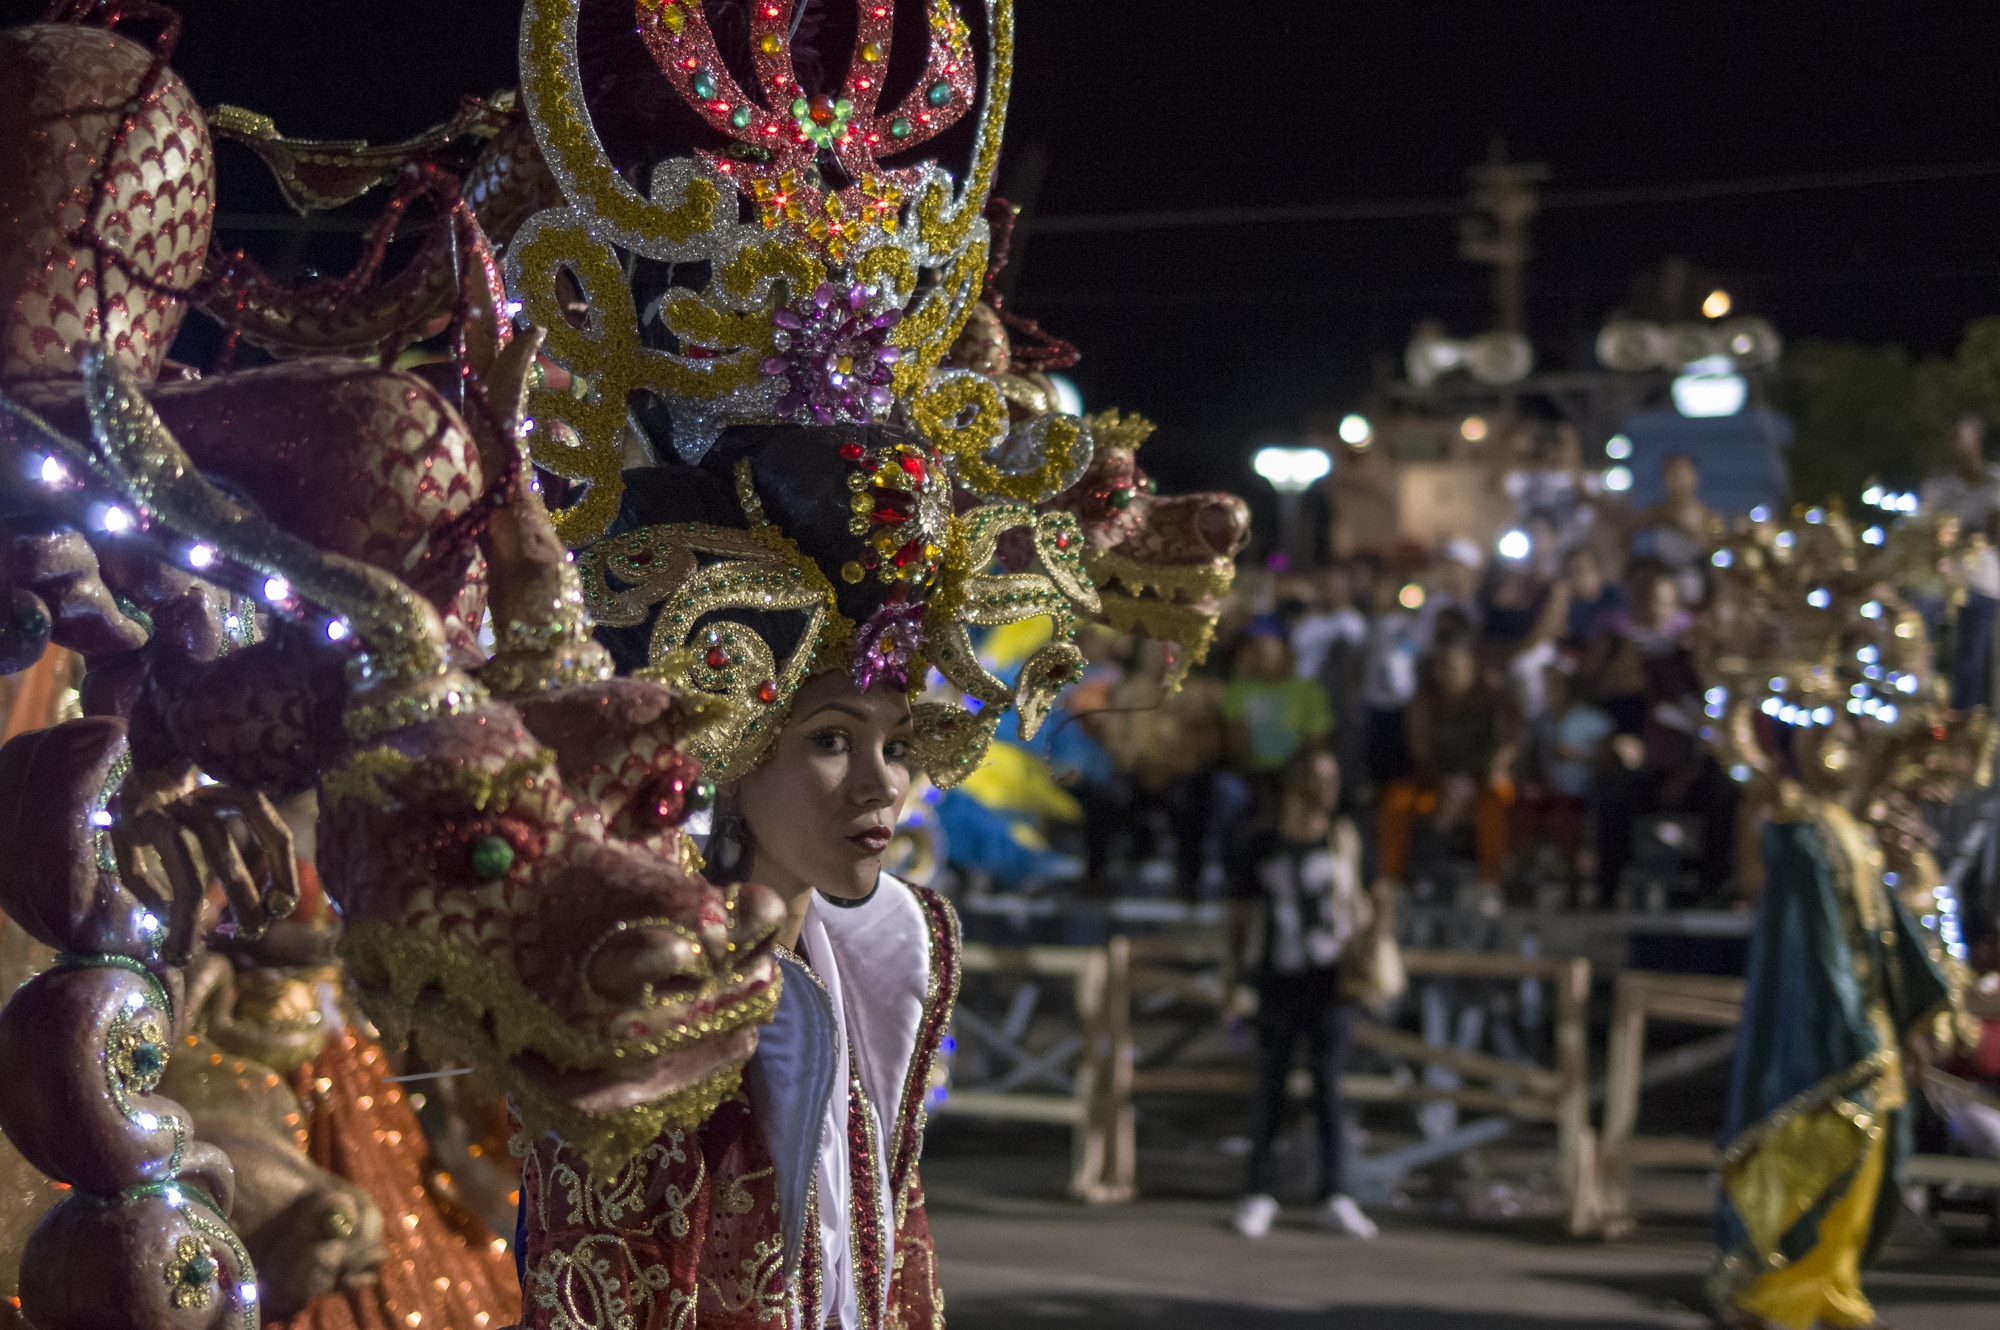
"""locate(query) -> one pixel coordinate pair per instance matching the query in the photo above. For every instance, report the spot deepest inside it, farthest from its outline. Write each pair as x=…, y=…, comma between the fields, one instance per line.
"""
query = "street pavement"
x=1011, y=1259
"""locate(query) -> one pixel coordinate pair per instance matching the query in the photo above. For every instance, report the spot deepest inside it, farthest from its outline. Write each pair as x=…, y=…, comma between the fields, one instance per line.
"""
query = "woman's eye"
x=832, y=741
x=897, y=750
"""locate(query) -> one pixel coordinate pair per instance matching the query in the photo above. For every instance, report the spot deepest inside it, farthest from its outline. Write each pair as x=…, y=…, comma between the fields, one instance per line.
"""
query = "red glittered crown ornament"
x=776, y=137
x=807, y=281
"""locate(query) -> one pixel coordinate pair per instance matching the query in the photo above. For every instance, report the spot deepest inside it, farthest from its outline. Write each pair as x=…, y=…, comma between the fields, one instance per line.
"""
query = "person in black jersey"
x=1295, y=882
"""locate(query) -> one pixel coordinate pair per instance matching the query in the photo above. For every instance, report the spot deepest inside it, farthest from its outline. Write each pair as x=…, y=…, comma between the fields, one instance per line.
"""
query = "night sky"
x=1229, y=336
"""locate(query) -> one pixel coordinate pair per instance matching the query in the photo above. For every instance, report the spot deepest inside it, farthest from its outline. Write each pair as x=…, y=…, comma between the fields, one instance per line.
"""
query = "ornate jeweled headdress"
x=807, y=278
x=768, y=316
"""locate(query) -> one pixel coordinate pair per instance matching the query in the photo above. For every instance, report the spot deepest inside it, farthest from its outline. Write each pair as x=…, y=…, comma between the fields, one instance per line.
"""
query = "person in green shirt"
x=1271, y=712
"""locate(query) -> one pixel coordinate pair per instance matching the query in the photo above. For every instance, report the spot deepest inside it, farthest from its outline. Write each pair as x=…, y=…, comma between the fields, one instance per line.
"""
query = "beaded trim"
x=940, y=994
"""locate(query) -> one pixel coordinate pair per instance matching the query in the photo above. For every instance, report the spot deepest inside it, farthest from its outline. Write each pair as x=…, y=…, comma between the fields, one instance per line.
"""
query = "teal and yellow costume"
x=1839, y=976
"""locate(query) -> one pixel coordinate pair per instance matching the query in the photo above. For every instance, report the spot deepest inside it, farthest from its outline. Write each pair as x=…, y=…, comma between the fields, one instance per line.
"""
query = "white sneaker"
x=1341, y=1215
x=1254, y=1215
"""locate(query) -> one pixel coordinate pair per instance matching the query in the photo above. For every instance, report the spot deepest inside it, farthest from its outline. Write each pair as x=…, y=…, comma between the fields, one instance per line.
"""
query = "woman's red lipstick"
x=874, y=840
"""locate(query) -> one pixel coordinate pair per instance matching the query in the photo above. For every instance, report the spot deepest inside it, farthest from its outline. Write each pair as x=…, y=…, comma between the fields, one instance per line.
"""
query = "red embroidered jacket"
x=689, y=1235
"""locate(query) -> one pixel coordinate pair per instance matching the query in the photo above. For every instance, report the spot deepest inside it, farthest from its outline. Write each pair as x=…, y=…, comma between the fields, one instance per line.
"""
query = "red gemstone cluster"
x=901, y=504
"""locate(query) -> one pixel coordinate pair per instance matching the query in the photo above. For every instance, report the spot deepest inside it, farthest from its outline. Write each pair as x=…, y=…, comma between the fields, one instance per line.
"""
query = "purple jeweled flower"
x=883, y=646
x=834, y=356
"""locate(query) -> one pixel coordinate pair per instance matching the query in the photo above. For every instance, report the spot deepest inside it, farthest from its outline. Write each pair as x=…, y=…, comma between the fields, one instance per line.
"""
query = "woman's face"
x=821, y=810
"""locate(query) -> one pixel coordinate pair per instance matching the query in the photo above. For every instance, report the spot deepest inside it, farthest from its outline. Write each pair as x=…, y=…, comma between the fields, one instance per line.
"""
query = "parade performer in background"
x=1845, y=988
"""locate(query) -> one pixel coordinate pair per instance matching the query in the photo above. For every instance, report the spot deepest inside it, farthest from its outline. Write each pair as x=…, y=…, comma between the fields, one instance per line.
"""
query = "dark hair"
x=1299, y=766
x=801, y=481
x=1642, y=574
x=1451, y=631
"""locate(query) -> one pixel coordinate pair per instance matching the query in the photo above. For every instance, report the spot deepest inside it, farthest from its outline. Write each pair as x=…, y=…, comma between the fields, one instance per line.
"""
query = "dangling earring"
x=728, y=851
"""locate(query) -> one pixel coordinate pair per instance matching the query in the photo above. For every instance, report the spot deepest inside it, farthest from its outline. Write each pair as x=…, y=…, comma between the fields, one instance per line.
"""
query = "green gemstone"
x=1121, y=498
x=843, y=108
x=199, y=1272
x=32, y=622
x=940, y=93
x=740, y=117
x=491, y=858
x=704, y=85
x=801, y=108
x=899, y=128
x=149, y=1059
x=700, y=795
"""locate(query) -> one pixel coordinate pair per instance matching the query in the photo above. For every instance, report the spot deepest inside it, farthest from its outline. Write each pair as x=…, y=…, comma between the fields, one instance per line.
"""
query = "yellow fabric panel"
x=1824, y=1285
x=1013, y=780
x=1011, y=643
x=1795, y=1164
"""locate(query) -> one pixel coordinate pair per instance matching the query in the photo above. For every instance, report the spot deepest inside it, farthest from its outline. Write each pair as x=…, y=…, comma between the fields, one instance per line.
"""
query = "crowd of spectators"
x=1518, y=722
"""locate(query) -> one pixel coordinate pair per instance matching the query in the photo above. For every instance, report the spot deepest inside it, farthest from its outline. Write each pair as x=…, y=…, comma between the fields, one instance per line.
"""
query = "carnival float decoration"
x=273, y=576
x=276, y=579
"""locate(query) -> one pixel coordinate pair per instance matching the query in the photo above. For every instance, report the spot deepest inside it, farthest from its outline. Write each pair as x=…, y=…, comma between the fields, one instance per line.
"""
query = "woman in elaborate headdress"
x=821, y=514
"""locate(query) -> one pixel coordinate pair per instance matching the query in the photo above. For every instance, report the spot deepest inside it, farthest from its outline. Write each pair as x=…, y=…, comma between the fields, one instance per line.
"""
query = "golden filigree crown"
x=810, y=282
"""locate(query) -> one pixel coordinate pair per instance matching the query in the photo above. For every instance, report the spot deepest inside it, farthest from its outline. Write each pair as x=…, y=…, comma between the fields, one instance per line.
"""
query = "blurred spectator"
x=1454, y=586
x=1167, y=748
x=1388, y=683
x=1522, y=613
x=1270, y=710
x=1679, y=531
x=1299, y=870
x=1591, y=603
x=1643, y=676
x=1462, y=736
x=1330, y=646
x=1970, y=491
x=1975, y=1127
x=1568, y=746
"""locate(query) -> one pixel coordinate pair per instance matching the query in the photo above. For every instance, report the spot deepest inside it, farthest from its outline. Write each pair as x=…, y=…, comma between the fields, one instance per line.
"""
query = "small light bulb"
x=53, y=472
x=336, y=631
x=277, y=589
x=201, y=556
